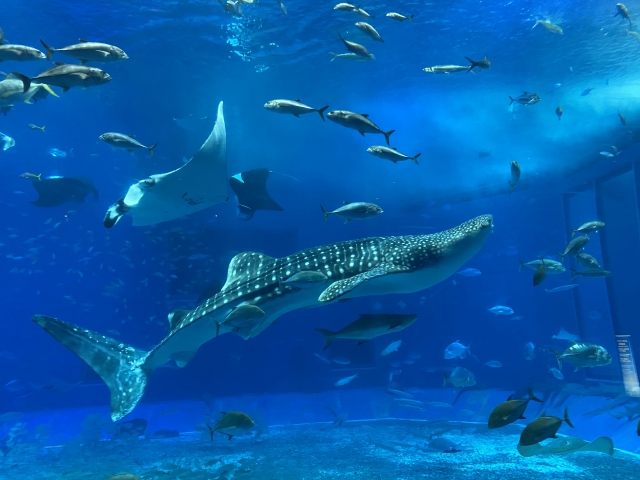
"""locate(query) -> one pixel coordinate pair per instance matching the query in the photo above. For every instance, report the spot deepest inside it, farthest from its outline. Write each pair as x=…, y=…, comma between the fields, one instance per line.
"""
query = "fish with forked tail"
x=510, y=411
x=355, y=268
x=357, y=121
x=542, y=428
x=88, y=52
x=369, y=326
x=392, y=154
x=120, y=140
x=354, y=210
x=293, y=107
x=481, y=64
x=574, y=247
x=67, y=76
x=583, y=355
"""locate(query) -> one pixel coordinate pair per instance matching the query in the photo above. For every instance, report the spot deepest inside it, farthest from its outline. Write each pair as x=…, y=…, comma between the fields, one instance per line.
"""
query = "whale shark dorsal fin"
x=244, y=266
x=344, y=286
x=176, y=317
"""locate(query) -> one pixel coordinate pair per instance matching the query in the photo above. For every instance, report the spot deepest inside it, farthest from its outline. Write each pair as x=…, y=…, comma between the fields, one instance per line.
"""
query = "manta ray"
x=198, y=184
x=259, y=289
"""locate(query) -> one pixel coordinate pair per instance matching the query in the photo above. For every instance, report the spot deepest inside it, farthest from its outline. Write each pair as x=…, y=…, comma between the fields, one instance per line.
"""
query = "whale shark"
x=256, y=293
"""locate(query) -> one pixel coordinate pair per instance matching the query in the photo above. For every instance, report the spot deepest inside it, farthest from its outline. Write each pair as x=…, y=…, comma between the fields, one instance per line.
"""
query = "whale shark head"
x=467, y=238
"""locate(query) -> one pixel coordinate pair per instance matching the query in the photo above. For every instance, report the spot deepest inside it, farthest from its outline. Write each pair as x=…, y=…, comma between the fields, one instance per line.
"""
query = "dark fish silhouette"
x=56, y=191
x=251, y=189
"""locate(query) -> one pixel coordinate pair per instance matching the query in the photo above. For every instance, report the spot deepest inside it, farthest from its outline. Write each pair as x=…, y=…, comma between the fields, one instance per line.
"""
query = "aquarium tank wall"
x=307, y=240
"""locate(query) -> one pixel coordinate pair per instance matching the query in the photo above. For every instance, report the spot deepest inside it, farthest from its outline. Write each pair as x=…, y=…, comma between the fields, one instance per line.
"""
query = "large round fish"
x=88, y=52
x=582, y=355
x=542, y=428
x=510, y=411
x=232, y=423
x=67, y=76
x=20, y=53
x=574, y=247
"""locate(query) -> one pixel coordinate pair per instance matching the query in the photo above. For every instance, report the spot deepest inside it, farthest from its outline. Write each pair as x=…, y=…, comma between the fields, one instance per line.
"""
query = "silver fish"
x=357, y=121
x=574, y=247
x=368, y=327
x=345, y=380
x=356, y=210
x=19, y=53
x=445, y=69
x=293, y=107
x=401, y=18
x=587, y=261
x=552, y=266
x=67, y=76
x=352, y=57
x=88, y=52
x=588, y=227
x=392, y=154
x=356, y=48
x=120, y=140
x=369, y=31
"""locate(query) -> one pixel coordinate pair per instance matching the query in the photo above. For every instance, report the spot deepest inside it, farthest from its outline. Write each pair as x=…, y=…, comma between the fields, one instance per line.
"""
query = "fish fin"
x=296, y=115
x=344, y=286
x=558, y=357
x=561, y=255
x=347, y=221
x=84, y=61
x=59, y=64
x=522, y=418
x=365, y=115
x=334, y=56
x=512, y=99
x=566, y=417
x=182, y=358
x=82, y=40
x=521, y=265
x=326, y=214
x=297, y=100
x=387, y=135
x=176, y=317
x=230, y=436
x=122, y=367
x=48, y=89
x=362, y=341
x=415, y=158
x=321, y=112
x=362, y=133
x=49, y=50
x=65, y=89
x=574, y=272
x=343, y=300
x=533, y=397
x=329, y=337
x=28, y=101
x=411, y=18
x=26, y=81
x=473, y=64
x=445, y=380
x=510, y=397
x=151, y=149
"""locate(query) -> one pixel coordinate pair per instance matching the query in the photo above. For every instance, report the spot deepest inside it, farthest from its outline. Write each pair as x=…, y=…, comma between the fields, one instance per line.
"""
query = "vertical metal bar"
x=577, y=307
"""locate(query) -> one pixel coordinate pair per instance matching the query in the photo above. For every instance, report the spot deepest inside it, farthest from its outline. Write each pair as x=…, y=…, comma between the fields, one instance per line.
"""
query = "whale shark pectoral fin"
x=123, y=368
x=344, y=286
x=182, y=358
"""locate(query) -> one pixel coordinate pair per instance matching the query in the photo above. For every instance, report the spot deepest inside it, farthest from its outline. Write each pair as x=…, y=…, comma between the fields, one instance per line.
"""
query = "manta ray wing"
x=251, y=189
x=198, y=184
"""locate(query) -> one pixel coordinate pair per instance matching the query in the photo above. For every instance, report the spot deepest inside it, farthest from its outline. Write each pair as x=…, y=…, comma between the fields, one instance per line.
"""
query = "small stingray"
x=251, y=189
x=56, y=191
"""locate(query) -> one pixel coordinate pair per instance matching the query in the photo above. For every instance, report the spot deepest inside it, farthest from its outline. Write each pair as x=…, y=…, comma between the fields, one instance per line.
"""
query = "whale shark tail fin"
x=120, y=366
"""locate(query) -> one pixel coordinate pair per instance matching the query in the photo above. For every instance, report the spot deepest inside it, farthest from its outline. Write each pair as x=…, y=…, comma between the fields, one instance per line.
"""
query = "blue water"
x=187, y=56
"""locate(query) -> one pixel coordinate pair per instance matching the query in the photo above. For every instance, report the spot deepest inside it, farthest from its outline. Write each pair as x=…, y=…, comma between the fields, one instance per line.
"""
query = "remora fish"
x=445, y=69
x=293, y=107
x=357, y=121
x=20, y=53
x=120, y=140
x=369, y=31
x=510, y=411
x=67, y=76
x=369, y=326
x=354, y=210
x=588, y=227
x=379, y=265
x=583, y=355
x=88, y=52
x=392, y=154
x=574, y=247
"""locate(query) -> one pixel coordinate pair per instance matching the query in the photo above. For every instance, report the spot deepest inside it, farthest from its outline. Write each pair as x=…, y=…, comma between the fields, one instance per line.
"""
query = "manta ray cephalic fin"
x=344, y=286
